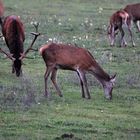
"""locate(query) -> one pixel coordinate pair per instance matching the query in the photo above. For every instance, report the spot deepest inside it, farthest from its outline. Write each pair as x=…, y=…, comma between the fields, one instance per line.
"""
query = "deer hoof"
x=89, y=97
x=133, y=44
x=112, y=45
x=60, y=95
x=83, y=96
x=47, y=95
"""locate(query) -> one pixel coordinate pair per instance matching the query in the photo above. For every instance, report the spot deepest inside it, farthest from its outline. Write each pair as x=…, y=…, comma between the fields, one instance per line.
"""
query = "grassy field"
x=25, y=114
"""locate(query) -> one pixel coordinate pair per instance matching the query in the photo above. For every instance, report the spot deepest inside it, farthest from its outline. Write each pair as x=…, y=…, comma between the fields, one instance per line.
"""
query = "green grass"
x=25, y=114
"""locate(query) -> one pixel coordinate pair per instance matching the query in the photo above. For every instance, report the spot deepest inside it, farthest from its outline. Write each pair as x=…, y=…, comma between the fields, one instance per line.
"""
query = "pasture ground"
x=25, y=114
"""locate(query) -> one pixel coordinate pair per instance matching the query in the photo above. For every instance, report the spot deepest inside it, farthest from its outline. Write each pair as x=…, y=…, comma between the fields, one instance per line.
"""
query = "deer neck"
x=100, y=74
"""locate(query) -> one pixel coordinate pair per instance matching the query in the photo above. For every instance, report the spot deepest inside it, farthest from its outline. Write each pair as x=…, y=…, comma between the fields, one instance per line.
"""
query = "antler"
x=36, y=24
x=8, y=55
x=36, y=34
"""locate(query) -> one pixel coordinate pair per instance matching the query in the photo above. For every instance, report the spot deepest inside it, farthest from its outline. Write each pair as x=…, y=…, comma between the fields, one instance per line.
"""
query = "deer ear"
x=113, y=78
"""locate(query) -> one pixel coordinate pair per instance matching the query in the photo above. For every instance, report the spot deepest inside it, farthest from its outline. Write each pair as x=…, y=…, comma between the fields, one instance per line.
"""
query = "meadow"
x=25, y=114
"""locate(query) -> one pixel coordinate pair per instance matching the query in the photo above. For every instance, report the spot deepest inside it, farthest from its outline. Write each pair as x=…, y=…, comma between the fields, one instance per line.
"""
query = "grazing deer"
x=69, y=57
x=117, y=20
x=13, y=32
x=134, y=12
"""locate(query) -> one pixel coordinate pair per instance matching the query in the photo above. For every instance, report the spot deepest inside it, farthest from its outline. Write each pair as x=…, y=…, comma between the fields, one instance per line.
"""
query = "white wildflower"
x=50, y=39
x=59, y=23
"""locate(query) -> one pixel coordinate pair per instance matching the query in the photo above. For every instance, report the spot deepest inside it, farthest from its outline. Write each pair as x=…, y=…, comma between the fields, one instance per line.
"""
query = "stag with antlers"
x=13, y=32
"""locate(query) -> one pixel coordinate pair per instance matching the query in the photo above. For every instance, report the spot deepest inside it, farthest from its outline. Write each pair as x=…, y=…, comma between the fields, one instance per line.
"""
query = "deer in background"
x=13, y=32
x=134, y=12
x=69, y=57
x=117, y=20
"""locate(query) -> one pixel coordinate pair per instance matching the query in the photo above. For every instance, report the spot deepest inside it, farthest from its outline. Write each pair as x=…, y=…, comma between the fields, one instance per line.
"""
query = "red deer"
x=134, y=12
x=13, y=32
x=69, y=57
x=117, y=20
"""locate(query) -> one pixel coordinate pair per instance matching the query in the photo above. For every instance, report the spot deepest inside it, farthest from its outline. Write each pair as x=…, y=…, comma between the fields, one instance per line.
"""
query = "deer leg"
x=84, y=80
x=129, y=23
x=137, y=24
x=86, y=86
x=82, y=87
x=53, y=78
x=112, y=36
x=47, y=73
x=123, y=42
x=13, y=69
x=130, y=32
x=21, y=73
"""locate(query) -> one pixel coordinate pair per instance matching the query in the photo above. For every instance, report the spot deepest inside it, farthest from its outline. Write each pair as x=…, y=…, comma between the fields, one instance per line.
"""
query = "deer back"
x=66, y=55
x=134, y=11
